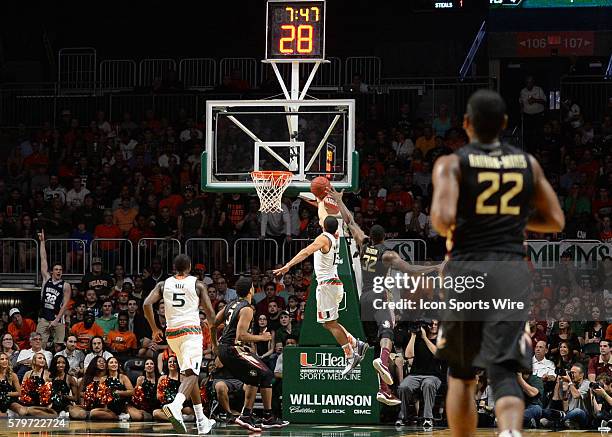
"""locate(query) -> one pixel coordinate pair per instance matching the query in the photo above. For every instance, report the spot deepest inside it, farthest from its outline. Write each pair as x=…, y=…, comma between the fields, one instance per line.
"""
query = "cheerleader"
x=62, y=388
x=167, y=388
x=115, y=390
x=88, y=390
x=33, y=386
x=144, y=399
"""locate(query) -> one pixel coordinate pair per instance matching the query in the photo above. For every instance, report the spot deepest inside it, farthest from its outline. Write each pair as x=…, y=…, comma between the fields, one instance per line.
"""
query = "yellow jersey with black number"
x=495, y=199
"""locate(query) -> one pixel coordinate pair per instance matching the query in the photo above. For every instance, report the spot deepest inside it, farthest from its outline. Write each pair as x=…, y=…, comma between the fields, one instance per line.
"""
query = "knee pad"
x=266, y=379
x=503, y=381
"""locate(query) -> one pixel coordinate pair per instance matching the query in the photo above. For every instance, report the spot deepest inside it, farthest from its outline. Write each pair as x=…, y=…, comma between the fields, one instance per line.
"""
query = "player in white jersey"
x=183, y=296
x=330, y=291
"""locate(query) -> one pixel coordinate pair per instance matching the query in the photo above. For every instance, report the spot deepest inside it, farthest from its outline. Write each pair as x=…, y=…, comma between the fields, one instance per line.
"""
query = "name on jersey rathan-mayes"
x=505, y=161
x=371, y=250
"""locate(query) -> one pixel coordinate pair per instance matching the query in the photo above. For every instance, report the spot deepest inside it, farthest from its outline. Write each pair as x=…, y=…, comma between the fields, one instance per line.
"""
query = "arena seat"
x=133, y=368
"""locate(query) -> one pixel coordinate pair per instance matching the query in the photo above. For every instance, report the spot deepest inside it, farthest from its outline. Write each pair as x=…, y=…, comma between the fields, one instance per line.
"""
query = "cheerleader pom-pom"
x=138, y=398
x=25, y=397
x=45, y=393
x=90, y=395
x=105, y=396
x=162, y=389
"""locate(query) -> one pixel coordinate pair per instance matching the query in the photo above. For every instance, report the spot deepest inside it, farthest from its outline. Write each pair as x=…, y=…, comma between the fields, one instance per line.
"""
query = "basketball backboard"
x=310, y=138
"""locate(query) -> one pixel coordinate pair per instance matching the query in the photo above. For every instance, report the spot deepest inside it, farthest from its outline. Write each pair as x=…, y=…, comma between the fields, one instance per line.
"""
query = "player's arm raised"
x=354, y=228
x=242, y=329
x=44, y=265
x=393, y=260
x=445, y=179
x=208, y=310
x=320, y=242
x=154, y=296
x=548, y=215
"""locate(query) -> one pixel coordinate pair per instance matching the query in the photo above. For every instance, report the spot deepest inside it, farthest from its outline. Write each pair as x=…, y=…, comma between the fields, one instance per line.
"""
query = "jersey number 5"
x=178, y=300
x=516, y=179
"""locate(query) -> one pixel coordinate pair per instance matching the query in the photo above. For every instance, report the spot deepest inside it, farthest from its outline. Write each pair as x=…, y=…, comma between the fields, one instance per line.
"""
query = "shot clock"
x=295, y=30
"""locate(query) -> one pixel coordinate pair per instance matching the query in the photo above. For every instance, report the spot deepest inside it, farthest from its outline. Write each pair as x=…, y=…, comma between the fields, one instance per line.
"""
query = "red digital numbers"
x=296, y=39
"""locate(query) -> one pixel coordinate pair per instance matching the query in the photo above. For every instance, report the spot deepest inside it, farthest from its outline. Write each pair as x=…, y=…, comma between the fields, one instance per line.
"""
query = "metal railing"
x=70, y=252
x=291, y=248
x=113, y=251
x=212, y=252
x=591, y=93
x=77, y=69
x=246, y=66
x=19, y=256
x=254, y=251
x=117, y=75
x=163, y=248
x=368, y=67
x=198, y=73
x=152, y=69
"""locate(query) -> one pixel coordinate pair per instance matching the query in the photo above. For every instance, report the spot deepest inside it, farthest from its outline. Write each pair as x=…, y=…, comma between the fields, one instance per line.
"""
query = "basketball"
x=319, y=186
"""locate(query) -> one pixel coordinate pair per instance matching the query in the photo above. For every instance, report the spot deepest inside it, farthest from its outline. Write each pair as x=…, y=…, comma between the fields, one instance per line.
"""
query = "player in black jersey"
x=241, y=362
x=376, y=260
x=485, y=196
x=55, y=296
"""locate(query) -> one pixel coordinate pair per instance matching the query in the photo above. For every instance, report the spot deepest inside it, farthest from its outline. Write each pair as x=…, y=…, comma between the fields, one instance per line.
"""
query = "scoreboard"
x=295, y=30
x=438, y=5
x=549, y=3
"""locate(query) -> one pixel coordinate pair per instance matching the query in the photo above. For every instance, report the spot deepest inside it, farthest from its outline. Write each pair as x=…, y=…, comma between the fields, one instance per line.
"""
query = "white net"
x=270, y=186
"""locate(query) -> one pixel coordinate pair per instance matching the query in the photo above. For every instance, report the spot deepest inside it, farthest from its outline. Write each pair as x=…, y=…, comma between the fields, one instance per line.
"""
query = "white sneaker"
x=63, y=415
x=351, y=363
x=204, y=426
x=175, y=416
x=123, y=417
x=11, y=414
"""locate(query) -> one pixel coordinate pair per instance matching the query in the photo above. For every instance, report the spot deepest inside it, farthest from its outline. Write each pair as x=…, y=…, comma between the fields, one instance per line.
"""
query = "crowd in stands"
x=137, y=179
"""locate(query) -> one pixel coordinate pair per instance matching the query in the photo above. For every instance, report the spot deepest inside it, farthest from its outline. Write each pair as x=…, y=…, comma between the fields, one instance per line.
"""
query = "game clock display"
x=295, y=30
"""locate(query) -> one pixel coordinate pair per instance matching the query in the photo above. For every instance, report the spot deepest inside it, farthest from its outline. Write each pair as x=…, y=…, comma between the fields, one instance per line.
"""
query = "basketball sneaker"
x=387, y=398
x=351, y=363
x=362, y=348
x=174, y=414
x=383, y=371
x=247, y=422
x=274, y=422
x=204, y=426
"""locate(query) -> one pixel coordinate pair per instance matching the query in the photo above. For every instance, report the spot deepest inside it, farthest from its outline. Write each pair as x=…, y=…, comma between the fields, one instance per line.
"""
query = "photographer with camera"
x=601, y=391
x=569, y=397
x=425, y=372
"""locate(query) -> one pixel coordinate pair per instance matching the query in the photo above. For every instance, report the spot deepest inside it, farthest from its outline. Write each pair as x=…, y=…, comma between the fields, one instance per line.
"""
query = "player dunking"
x=376, y=260
x=183, y=295
x=244, y=365
x=484, y=198
x=330, y=291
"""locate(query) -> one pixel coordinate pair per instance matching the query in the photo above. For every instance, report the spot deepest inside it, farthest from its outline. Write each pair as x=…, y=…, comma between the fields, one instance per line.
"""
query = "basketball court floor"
x=151, y=429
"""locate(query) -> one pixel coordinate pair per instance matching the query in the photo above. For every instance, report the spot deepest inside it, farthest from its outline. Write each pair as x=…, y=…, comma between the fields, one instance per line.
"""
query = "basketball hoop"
x=270, y=186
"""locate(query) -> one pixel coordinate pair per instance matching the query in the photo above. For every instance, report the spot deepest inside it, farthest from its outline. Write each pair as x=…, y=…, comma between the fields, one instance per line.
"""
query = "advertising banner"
x=314, y=391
